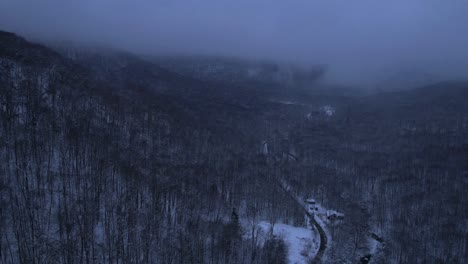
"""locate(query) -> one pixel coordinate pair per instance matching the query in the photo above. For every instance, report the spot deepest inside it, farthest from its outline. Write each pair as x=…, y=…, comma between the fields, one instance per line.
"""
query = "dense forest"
x=109, y=157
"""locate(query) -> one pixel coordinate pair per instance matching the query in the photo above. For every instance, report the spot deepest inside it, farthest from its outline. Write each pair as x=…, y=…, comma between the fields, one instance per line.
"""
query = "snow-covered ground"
x=328, y=110
x=302, y=243
x=286, y=102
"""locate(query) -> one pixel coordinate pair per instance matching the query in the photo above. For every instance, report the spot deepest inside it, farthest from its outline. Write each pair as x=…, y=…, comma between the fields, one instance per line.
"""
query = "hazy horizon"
x=362, y=42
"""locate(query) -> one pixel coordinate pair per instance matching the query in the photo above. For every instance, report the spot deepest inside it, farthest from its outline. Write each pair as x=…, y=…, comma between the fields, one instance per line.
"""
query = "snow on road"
x=302, y=243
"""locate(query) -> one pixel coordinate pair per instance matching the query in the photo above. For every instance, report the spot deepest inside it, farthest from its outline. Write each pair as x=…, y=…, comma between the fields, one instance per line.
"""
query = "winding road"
x=323, y=239
x=323, y=236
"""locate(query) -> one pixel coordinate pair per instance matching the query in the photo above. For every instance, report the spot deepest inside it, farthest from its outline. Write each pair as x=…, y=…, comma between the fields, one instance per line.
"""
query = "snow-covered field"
x=302, y=243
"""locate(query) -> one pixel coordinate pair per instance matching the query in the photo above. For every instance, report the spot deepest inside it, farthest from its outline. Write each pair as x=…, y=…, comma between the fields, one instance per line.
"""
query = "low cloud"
x=361, y=40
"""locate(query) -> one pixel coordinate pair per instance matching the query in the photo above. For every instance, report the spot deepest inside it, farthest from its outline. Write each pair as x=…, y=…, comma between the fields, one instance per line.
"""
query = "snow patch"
x=328, y=110
x=264, y=148
x=302, y=243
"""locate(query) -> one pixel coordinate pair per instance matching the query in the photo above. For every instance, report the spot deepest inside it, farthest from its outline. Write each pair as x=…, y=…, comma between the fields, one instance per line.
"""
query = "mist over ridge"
x=363, y=42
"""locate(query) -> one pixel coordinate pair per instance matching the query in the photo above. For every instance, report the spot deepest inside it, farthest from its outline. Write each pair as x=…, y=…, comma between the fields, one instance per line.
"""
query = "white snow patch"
x=264, y=148
x=289, y=102
x=328, y=110
x=302, y=243
x=373, y=244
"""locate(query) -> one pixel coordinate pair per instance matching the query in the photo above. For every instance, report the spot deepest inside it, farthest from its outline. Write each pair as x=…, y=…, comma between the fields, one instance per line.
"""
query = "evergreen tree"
x=235, y=226
x=232, y=236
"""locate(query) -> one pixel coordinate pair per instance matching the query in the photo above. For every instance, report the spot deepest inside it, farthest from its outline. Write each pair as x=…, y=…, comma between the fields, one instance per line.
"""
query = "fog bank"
x=361, y=41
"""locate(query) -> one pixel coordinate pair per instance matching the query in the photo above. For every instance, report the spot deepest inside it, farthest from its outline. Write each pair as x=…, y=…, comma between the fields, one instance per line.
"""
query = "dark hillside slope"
x=98, y=170
x=18, y=49
x=106, y=157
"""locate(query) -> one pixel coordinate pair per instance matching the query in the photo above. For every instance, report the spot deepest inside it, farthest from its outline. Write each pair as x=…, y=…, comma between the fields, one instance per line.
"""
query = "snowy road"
x=323, y=236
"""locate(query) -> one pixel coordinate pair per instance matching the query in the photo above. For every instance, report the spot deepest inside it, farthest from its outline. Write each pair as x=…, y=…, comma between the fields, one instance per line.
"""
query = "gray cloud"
x=359, y=40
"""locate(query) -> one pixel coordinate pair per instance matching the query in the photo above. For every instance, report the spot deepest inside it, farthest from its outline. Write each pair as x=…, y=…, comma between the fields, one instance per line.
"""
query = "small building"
x=333, y=215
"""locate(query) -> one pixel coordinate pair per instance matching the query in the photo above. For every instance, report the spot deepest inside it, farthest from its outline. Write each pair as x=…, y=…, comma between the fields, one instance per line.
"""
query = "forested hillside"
x=107, y=157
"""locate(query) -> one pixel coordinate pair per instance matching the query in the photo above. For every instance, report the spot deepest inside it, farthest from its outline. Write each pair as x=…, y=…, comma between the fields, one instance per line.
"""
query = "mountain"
x=110, y=157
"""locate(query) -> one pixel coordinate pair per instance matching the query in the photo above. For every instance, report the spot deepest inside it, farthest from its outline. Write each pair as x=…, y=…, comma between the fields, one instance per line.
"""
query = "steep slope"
x=107, y=157
x=105, y=166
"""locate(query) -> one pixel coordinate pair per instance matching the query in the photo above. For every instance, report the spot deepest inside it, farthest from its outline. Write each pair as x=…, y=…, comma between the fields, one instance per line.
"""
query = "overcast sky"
x=356, y=38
